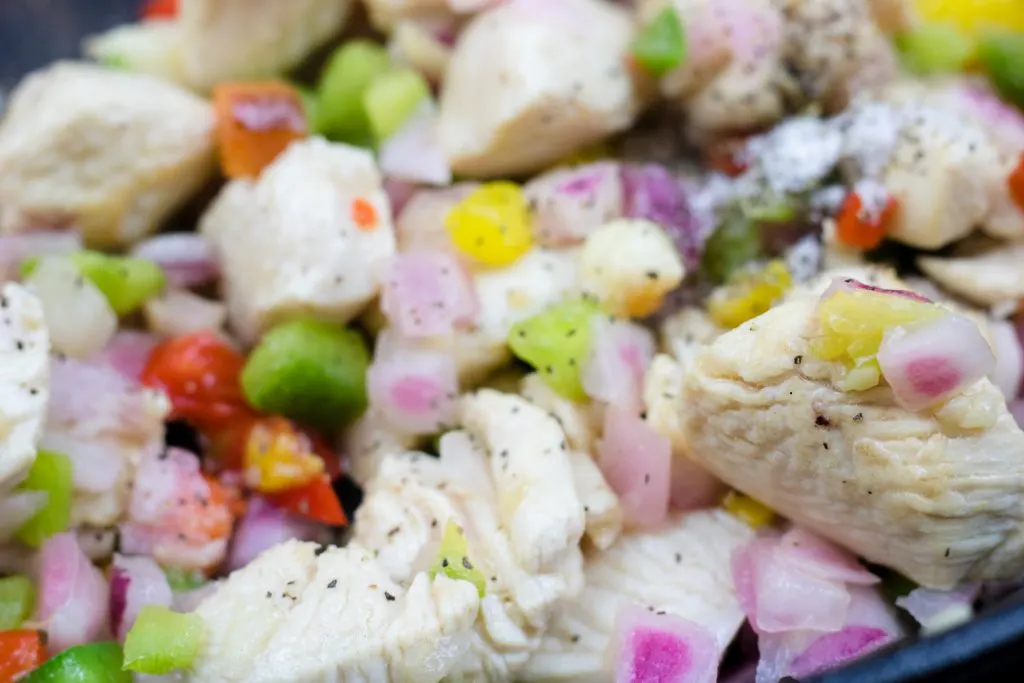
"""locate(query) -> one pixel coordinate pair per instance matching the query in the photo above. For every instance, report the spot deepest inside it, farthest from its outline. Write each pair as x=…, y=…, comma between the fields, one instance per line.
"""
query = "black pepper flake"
x=433, y=524
x=319, y=550
x=394, y=530
x=466, y=563
x=444, y=562
x=389, y=597
x=947, y=552
x=859, y=417
x=679, y=558
x=798, y=360
x=647, y=478
x=660, y=613
x=824, y=445
x=269, y=594
x=20, y=345
x=575, y=638
x=652, y=275
x=822, y=421
x=333, y=583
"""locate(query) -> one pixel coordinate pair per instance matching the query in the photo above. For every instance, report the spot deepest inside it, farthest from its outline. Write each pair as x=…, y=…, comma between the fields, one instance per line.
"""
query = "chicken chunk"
x=211, y=41
x=681, y=568
x=290, y=244
x=686, y=332
x=530, y=82
x=936, y=494
x=24, y=381
x=988, y=278
x=109, y=152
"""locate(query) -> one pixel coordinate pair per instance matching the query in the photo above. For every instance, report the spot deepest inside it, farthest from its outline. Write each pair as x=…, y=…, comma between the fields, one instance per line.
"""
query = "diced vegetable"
x=127, y=353
x=413, y=388
x=414, y=152
x=162, y=641
x=16, y=249
x=661, y=44
x=51, y=472
x=938, y=610
x=854, y=319
x=651, y=645
x=310, y=371
x=1016, y=183
x=492, y=225
x=556, y=341
x=829, y=650
x=310, y=107
x=278, y=457
x=748, y=295
x=93, y=663
x=735, y=242
x=453, y=559
x=179, y=312
x=821, y=558
x=637, y=463
x=391, y=98
x=651, y=192
x=126, y=282
x=182, y=580
x=21, y=652
x=1002, y=55
x=769, y=208
x=134, y=583
x=427, y=293
x=17, y=600
x=754, y=513
x=974, y=16
x=570, y=203
x=619, y=356
x=186, y=258
x=264, y=526
x=315, y=501
x=255, y=123
x=859, y=227
x=160, y=9
x=79, y=319
x=73, y=594
x=340, y=90
x=926, y=363
x=932, y=48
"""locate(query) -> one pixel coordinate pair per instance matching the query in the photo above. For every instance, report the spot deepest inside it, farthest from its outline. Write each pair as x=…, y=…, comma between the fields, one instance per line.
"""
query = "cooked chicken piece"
x=371, y=612
x=681, y=568
x=935, y=494
x=530, y=82
x=629, y=265
x=686, y=332
x=212, y=41
x=386, y=14
x=581, y=422
x=304, y=253
x=24, y=381
x=987, y=278
x=367, y=442
x=109, y=152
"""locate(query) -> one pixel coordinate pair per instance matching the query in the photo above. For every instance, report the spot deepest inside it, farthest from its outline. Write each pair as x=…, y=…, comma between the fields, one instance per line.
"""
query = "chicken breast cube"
x=109, y=152
x=529, y=82
x=937, y=494
x=681, y=568
x=307, y=238
x=212, y=41
x=24, y=381
x=989, y=278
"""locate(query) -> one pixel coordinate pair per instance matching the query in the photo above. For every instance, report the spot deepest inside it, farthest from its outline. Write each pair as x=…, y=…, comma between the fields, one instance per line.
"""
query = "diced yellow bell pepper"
x=973, y=16
x=749, y=295
x=755, y=514
x=278, y=457
x=492, y=225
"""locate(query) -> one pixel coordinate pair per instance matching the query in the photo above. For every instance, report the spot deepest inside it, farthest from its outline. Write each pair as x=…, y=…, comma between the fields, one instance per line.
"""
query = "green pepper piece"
x=453, y=559
x=1002, y=54
x=311, y=371
x=181, y=580
x=769, y=209
x=161, y=641
x=661, y=45
x=93, y=663
x=126, y=282
x=735, y=242
x=17, y=598
x=934, y=48
x=556, y=342
x=340, y=114
x=391, y=99
x=52, y=473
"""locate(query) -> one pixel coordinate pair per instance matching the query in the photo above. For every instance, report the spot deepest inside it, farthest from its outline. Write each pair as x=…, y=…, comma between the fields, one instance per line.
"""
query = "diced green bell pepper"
x=126, y=282
x=391, y=98
x=935, y=48
x=313, y=372
x=181, y=580
x=340, y=114
x=51, y=472
x=17, y=599
x=735, y=242
x=93, y=663
x=1002, y=54
x=453, y=559
x=661, y=44
x=161, y=641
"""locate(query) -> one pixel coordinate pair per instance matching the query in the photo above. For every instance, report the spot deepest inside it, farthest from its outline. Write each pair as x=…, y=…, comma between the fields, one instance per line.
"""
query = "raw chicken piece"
x=24, y=381
x=935, y=494
x=682, y=569
x=212, y=41
x=988, y=278
x=531, y=81
x=109, y=152
x=304, y=253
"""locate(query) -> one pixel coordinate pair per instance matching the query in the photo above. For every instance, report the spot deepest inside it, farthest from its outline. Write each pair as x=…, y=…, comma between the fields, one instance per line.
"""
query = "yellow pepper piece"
x=278, y=457
x=492, y=225
x=973, y=16
x=588, y=155
x=749, y=295
x=755, y=514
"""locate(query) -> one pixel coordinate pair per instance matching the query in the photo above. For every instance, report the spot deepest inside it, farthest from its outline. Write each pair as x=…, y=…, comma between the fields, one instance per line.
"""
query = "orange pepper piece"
x=279, y=457
x=255, y=123
x=856, y=229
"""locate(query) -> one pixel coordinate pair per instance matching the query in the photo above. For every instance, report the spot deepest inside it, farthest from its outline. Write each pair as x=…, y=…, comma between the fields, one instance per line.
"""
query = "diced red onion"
x=936, y=609
x=414, y=154
x=619, y=356
x=850, y=285
x=263, y=527
x=1009, y=354
x=73, y=594
x=413, y=389
x=1017, y=410
x=693, y=487
x=134, y=583
x=427, y=293
x=179, y=312
x=127, y=353
x=18, y=507
x=1004, y=120
x=570, y=203
x=636, y=461
x=186, y=258
x=399, y=193
x=651, y=192
x=655, y=646
x=159, y=482
x=14, y=249
x=817, y=557
x=932, y=361
x=78, y=315
x=832, y=649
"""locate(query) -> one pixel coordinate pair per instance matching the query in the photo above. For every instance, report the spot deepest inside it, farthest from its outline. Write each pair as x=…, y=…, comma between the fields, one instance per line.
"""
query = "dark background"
x=36, y=32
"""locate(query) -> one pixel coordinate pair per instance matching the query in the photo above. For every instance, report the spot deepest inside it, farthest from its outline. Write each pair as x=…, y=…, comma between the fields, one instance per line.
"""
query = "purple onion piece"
x=652, y=193
x=119, y=582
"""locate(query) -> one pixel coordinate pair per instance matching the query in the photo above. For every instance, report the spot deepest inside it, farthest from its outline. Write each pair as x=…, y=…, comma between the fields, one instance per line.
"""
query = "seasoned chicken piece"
x=530, y=82
x=937, y=494
x=212, y=41
x=109, y=152
x=367, y=442
x=988, y=278
x=24, y=381
x=686, y=332
x=581, y=422
x=290, y=243
x=681, y=568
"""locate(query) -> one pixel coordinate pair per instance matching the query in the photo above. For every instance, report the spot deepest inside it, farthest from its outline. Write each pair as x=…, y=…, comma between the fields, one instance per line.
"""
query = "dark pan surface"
x=991, y=648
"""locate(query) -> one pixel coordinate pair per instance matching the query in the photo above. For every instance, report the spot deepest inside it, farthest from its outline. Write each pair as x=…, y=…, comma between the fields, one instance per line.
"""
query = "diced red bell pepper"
x=855, y=228
x=21, y=651
x=160, y=9
x=1016, y=182
x=315, y=501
